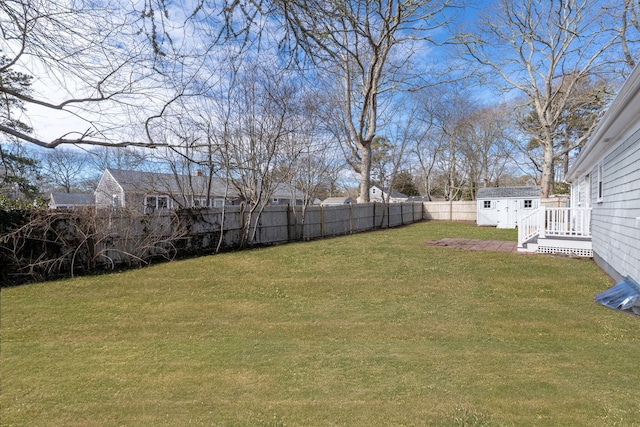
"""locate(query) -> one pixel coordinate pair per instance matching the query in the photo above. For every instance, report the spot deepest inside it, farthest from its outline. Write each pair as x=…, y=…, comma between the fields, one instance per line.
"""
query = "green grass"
x=370, y=329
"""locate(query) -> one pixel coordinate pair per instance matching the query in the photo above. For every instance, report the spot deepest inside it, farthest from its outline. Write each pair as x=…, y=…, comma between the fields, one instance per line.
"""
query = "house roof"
x=166, y=183
x=620, y=121
x=501, y=192
x=72, y=199
x=337, y=201
x=391, y=193
x=138, y=181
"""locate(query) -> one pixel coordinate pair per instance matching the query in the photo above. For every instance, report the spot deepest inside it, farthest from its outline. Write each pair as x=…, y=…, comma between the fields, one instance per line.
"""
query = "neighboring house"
x=501, y=206
x=605, y=183
x=419, y=199
x=150, y=191
x=377, y=194
x=70, y=200
x=334, y=201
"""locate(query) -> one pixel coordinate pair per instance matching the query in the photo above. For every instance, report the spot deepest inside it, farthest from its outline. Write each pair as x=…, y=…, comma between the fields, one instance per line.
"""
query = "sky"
x=50, y=124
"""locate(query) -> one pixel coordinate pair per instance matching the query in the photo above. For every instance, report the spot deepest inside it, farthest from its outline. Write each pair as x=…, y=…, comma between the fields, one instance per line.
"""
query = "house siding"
x=105, y=190
x=615, y=224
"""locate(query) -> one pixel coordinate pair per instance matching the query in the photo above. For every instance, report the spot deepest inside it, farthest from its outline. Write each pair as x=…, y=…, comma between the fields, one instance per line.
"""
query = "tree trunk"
x=365, y=172
x=546, y=181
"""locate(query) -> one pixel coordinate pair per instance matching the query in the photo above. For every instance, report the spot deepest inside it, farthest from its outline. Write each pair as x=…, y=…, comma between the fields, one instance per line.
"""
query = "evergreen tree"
x=18, y=171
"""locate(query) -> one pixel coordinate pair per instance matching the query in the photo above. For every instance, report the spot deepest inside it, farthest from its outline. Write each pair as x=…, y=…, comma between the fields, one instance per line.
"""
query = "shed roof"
x=501, y=192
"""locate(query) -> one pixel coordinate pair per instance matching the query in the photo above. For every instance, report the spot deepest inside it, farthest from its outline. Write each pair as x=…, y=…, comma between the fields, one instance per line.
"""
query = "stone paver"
x=476, y=244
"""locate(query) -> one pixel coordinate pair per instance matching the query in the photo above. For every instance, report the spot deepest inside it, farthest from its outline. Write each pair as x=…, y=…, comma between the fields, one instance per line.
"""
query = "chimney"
x=198, y=173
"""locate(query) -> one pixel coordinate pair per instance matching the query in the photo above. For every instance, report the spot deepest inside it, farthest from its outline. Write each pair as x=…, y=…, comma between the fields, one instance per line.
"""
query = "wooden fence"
x=76, y=242
x=451, y=211
x=204, y=230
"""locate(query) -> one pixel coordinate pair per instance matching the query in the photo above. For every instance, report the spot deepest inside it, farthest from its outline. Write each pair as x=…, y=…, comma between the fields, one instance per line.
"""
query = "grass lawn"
x=363, y=330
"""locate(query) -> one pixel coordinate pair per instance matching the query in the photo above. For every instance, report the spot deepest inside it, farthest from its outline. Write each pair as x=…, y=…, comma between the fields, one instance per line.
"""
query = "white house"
x=377, y=194
x=501, y=206
x=605, y=181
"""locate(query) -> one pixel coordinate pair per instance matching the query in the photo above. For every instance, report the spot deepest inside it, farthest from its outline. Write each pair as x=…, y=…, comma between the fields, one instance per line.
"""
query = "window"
x=200, y=202
x=152, y=203
x=600, y=189
x=528, y=203
x=115, y=201
x=218, y=203
x=487, y=204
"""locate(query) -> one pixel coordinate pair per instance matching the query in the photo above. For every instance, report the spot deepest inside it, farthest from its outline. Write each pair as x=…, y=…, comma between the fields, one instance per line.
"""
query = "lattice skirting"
x=569, y=251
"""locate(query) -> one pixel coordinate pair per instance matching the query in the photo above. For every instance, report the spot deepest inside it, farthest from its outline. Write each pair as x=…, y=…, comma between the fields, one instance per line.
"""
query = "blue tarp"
x=623, y=296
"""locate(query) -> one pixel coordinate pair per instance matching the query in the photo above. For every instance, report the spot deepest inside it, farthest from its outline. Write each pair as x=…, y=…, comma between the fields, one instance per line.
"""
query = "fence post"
x=350, y=218
x=542, y=222
x=374, y=216
x=388, y=214
x=286, y=212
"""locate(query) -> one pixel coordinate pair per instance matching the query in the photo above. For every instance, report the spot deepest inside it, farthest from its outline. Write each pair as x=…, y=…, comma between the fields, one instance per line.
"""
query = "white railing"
x=564, y=222
x=529, y=226
x=574, y=222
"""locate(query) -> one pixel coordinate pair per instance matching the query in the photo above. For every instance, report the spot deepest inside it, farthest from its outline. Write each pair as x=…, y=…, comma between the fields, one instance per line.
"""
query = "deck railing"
x=558, y=222
x=573, y=222
x=529, y=226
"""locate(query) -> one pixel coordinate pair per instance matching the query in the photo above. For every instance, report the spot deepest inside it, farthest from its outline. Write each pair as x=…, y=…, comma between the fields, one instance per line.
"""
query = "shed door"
x=507, y=213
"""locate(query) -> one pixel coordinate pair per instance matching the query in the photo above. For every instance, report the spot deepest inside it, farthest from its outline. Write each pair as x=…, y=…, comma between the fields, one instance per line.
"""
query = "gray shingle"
x=500, y=192
x=73, y=199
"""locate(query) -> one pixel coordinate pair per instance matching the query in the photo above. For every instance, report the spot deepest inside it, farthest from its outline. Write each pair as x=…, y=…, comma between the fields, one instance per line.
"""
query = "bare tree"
x=629, y=30
x=247, y=126
x=93, y=61
x=125, y=158
x=365, y=46
x=488, y=147
x=64, y=168
x=532, y=46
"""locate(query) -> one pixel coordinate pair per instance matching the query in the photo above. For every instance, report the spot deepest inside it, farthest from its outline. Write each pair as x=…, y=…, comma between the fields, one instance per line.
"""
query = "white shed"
x=501, y=206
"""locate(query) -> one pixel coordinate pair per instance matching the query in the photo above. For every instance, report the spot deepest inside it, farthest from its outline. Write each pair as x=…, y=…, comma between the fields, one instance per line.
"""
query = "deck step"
x=579, y=247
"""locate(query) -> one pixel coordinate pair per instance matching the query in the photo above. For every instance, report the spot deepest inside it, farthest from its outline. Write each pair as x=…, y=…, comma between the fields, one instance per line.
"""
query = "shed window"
x=528, y=203
x=487, y=204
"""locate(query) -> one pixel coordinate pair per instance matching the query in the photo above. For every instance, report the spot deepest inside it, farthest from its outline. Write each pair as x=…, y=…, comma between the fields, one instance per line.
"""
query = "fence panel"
x=451, y=211
x=362, y=217
x=130, y=238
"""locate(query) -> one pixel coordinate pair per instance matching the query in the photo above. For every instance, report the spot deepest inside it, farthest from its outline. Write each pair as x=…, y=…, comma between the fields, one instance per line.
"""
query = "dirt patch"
x=476, y=244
